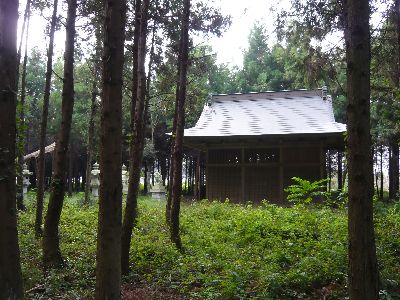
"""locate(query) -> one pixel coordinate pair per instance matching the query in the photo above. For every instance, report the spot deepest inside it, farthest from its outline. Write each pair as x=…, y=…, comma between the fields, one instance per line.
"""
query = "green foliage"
x=231, y=251
x=305, y=191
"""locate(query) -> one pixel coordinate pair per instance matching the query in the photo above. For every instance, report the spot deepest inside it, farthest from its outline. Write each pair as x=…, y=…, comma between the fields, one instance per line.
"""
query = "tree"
x=43, y=125
x=363, y=272
x=93, y=108
x=176, y=161
x=385, y=85
x=51, y=243
x=108, y=255
x=21, y=114
x=10, y=271
x=137, y=139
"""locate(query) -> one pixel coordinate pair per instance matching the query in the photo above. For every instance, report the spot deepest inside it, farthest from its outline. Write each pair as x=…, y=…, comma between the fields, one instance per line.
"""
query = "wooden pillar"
x=281, y=175
x=197, y=175
x=243, y=175
x=322, y=160
x=207, y=177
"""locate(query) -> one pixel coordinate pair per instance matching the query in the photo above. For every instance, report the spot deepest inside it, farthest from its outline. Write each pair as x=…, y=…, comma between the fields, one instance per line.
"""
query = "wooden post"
x=243, y=175
x=281, y=174
x=207, y=190
x=322, y=160
x=197, y=185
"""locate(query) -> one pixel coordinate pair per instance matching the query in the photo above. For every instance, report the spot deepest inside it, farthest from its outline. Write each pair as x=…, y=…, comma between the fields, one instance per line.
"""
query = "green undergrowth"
x=230, y=251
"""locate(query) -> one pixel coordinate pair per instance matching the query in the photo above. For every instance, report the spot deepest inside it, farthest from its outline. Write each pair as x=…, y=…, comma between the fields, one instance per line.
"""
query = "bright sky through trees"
x=244, y=14
x=229, y=47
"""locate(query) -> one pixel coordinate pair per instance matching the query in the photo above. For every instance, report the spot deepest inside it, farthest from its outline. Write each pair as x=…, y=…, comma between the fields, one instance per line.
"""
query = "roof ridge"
x=267, y=95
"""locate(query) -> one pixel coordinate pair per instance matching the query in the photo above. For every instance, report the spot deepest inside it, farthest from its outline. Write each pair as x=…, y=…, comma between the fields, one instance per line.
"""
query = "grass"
x=230, y=251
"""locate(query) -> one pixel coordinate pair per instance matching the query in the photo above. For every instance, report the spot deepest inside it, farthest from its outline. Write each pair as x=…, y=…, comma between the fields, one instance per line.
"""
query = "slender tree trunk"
x=51, y=242
x=363, y=272
x=381, y=167
x=10, y=270
x=393, y=168
x=70, y=170
x=108, y=256
x=21, y=117
x=137, y=143
x=375, y=155
x=172, y=141
x=43, y=126
x=90, y=144
x=180, y=124
x=340, y=170
x=146, y=179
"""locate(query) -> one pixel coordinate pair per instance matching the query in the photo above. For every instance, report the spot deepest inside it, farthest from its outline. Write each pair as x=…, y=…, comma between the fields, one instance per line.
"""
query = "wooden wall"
x=255, y=173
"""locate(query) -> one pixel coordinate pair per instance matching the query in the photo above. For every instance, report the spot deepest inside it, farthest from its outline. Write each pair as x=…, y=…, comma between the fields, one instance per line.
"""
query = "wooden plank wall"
x=253, y=174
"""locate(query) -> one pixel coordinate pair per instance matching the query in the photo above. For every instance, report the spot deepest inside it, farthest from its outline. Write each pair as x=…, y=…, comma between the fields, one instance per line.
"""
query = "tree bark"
x=180, y=124
x=393, y=168
x=108, y=255
x=137, y=142
x=363, y=272
x=43, y=126
x=51, y=241
x=90, y=144
x=381, y=168
x=10, y=270
x=21, y=117
x=70, y=170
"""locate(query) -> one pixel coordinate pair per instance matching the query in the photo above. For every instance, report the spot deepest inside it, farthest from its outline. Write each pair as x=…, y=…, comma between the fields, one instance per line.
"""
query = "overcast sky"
x=229, y=47
x=244, y=14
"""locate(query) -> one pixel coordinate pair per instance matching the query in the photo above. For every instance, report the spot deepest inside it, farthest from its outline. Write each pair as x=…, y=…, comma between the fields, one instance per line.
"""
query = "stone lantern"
x=25, y=183
x=157, y=191
x=94, y=180
x=125, y=180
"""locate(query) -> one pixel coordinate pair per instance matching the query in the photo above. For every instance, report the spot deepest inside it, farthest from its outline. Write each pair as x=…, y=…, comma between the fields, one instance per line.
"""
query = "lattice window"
x=224, y=156
x=301, y=154
x=258, y=156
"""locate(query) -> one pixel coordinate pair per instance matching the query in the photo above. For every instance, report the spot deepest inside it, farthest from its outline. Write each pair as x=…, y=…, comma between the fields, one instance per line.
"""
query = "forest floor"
x=230, y=252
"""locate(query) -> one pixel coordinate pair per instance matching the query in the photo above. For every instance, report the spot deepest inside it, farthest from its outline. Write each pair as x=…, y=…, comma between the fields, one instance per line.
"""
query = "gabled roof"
x=47, y=149
x=267, y=113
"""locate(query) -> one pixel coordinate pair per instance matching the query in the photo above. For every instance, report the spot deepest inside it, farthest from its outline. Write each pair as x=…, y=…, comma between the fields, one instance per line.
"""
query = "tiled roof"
x=267, y=113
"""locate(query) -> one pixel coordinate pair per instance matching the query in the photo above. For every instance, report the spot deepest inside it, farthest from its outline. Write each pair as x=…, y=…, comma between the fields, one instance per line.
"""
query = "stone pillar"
x=125, y=180
x=94, y=180
x=25, y=183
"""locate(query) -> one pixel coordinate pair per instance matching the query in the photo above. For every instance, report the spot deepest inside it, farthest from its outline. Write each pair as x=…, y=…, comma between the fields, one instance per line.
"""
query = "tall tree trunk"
x=376, y=175
x=51, y=242
x=10, y=270
x=381, y=168
x=180, y=124
x=70, y=170
x=90, y=144
x=363, y=272
x=172, y=141
x=137, y=143
x=21, y=118
x=43, y=126
x=146, y=179
x=108, y=256
x=393, y=168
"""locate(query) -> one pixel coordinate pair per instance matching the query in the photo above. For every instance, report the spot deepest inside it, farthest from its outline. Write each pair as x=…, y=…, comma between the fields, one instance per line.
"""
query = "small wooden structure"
x=255, y=143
